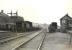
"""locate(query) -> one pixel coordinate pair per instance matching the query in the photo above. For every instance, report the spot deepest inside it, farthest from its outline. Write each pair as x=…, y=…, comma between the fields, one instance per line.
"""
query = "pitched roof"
x=16, y=18
x=3, y=14
x=4, y=18
x=66, y=16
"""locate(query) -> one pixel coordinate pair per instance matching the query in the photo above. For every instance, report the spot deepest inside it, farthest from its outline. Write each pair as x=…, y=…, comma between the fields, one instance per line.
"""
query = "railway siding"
x=18, y=42
x=33, y=43
x=17, y=35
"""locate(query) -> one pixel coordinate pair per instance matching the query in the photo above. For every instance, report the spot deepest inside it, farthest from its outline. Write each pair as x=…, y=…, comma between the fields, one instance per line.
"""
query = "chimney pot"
x=2, y=11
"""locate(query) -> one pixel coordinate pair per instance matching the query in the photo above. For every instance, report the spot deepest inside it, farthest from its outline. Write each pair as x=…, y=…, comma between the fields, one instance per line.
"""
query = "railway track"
x=13, y=44
x=40, y=46
x=4, y=34
x=39, y=41
x=34, y=43
x=17, y=48
x=9, y=38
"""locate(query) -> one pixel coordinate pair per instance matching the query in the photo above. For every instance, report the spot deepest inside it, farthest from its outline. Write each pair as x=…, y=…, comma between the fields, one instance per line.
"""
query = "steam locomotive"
x=52, y=27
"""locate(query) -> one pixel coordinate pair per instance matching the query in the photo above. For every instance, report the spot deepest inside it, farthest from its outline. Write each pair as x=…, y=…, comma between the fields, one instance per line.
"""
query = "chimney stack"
x=2, y=11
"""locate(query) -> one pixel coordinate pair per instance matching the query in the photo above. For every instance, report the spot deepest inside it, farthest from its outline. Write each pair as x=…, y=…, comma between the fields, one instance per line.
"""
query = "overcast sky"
x=39, y=11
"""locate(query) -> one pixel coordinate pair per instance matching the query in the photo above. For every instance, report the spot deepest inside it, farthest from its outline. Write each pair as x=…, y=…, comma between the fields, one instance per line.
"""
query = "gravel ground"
x=56, y=41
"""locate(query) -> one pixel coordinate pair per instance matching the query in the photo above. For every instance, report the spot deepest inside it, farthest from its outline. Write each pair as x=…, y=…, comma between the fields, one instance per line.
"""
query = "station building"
x=66, y=22
x=13, y=23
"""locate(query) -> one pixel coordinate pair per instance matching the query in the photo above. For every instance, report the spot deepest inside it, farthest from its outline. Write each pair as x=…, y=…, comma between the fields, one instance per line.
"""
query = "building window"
x=70, y=21
x=63, y=21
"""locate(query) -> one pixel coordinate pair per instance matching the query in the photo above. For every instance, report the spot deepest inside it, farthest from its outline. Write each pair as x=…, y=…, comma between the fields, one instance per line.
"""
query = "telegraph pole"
x=10, y=13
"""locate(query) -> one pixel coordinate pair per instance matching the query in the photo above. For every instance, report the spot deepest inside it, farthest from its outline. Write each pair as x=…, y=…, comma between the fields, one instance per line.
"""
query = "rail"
x=40, y=46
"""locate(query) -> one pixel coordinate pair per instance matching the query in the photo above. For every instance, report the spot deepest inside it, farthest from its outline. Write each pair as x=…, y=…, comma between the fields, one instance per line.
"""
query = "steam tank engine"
x=53, y=27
